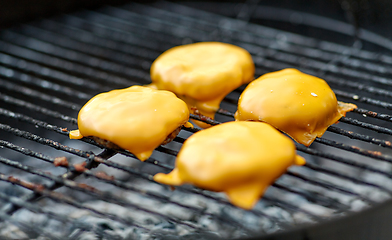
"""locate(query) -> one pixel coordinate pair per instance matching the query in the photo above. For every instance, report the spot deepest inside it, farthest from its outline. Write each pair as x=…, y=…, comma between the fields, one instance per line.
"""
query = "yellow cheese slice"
x=138, y=119
x=239, y=158
x=301, y=105
x=202, y=74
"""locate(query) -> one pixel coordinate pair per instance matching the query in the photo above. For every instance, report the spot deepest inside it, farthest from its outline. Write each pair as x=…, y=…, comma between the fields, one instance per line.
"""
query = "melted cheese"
x=301, y=105
x=202, y=74
x=239, y=158
x=137, y=119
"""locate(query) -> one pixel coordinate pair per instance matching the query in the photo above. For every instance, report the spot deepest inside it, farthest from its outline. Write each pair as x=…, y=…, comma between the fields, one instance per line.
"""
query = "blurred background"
x=372, y=15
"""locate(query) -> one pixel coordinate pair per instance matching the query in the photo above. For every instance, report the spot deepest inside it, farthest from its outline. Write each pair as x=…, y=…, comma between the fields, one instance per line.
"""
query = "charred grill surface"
x=50, y=68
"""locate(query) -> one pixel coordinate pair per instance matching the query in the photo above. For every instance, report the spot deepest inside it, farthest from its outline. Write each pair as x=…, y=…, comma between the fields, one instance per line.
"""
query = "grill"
x=53, y=187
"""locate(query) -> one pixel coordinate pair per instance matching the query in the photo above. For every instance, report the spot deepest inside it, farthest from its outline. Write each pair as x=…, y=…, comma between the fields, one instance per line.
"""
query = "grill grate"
x=50, y=68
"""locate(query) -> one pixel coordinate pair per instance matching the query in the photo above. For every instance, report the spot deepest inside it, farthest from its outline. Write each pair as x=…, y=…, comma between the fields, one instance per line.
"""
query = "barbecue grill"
x=56, y=188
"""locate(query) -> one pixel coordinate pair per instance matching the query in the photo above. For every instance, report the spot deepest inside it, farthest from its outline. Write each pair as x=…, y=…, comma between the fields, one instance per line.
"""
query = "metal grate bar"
x=340, y=131
x=183, y=189
x=362, y=99
x=347, y=120
x=96, y=47
x=116, y=29
x=329, y=186
x=350, y=134
x=373, y=154
x=80, y=153
x=105, y=37
x=7, y=73
x=64, y=199
x=370, y=89
x=122, y=54
x=45, y=111
x=48, y=73
x=106, y=196
x=73, y=68
x=292, y=207
x=373, y=90
x=361, y=137
x=272, y=200
x=320, y=199
x=40, y=140
x=272, y=66
x=59, y=217
x=369, y=126
x=43, y=83
x=59, y=129
x=341, y=175
x=373, y=114
x=18, y=75
x=312, y=65
x=263, y=32
x=53, y=185
x=244, y=38
x=122, y=185
x=344, y=60
x=342, y=160
x=165, y=199
x=77, y=57
x=28, y=152
x=360, y=54
x=89, y=52
x=92, y=50
x=346, y=161
x=28, y=92
x=173, y=152
x=336, y=81
x=357, y=86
